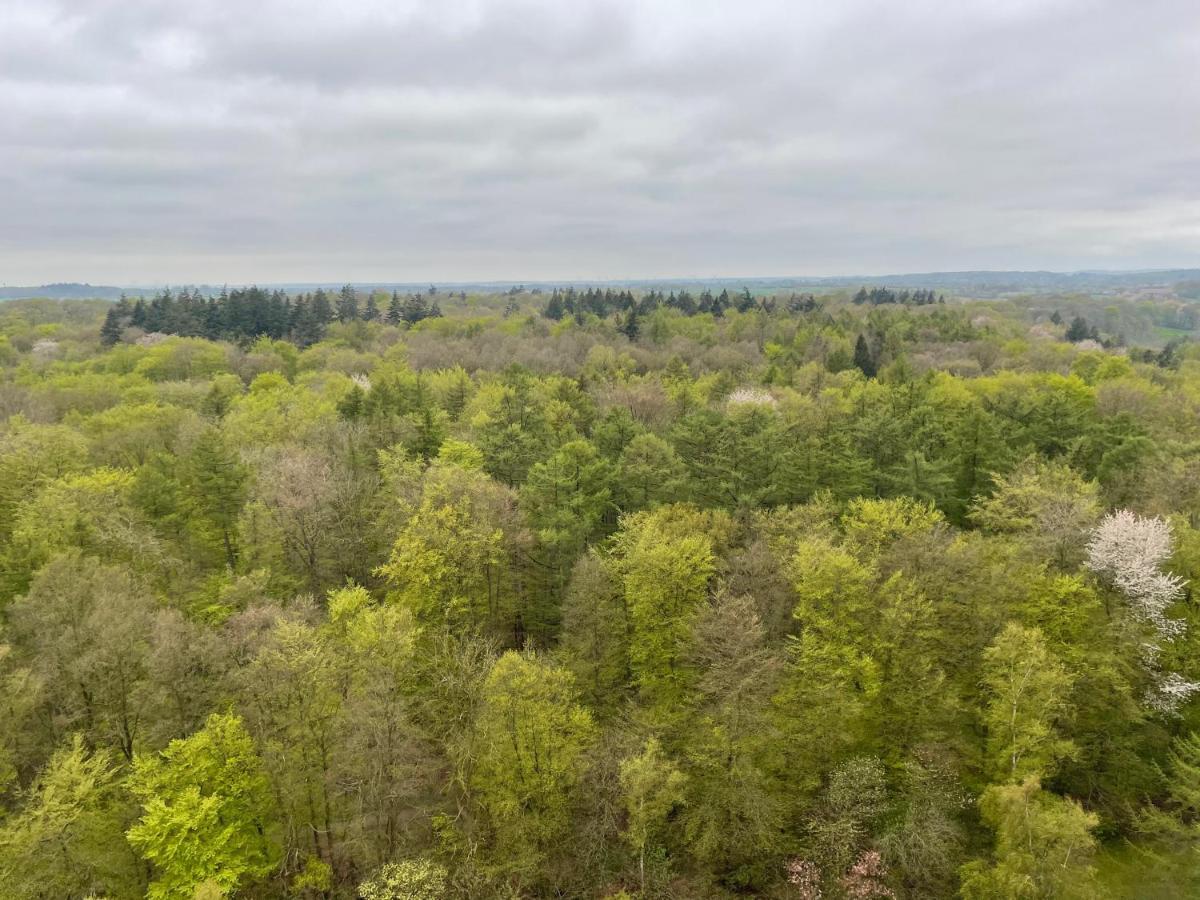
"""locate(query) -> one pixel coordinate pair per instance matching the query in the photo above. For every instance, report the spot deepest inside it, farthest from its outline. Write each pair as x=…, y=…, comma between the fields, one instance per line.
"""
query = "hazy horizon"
x=509, y=141
x=839, y=279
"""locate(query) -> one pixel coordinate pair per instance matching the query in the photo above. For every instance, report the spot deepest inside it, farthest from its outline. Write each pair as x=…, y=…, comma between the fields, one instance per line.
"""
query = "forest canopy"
x=599, y=592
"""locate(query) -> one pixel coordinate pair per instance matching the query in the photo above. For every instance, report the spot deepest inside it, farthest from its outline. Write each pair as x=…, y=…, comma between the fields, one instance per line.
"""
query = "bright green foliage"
x=445, y=561
x=412, y=879
x=67, y=841
x=530, y=737
x=665, y=580
x=872, y=525
x=1028, y=691
x=206, y=811
x=833, y=589
x=274, y=411
x=651, y=787
x=1048, y=504
x=32, y=455
x=1044, y=846
x=460, y=453
x=90, y=511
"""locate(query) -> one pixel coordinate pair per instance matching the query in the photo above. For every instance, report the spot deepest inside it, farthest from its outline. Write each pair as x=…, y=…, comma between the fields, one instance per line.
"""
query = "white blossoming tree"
x=1129, y=551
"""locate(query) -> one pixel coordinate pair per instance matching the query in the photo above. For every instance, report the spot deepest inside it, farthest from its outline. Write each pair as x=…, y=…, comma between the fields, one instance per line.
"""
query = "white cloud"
x=218, y=141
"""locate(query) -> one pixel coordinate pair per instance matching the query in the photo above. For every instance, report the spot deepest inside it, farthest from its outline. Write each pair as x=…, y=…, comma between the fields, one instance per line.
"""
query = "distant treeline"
x=247, y=313
x=243, y=314
x=578, y=303
x=879, y=295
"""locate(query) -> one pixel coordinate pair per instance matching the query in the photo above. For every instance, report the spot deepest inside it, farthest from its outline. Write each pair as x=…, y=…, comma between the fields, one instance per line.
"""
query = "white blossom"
x=362, y=381
x=748, y=396
x=1129, y=550
x=1170, y=693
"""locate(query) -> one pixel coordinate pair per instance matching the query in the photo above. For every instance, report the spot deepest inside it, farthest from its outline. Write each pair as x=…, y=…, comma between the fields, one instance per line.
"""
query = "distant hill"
x=969, y=283
x=69, y=291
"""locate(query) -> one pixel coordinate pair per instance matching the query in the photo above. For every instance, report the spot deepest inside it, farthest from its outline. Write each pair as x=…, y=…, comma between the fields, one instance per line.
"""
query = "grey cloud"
x=215, y=141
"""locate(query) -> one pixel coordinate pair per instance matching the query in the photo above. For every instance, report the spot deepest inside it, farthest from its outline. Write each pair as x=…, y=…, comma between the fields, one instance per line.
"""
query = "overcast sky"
x=221, y=141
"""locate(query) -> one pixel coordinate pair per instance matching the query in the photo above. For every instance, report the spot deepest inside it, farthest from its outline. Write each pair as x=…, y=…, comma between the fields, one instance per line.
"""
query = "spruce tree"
x=395, y=311
x=863, y=358
x=555, y=309
x=110, y=333
x=347, y=308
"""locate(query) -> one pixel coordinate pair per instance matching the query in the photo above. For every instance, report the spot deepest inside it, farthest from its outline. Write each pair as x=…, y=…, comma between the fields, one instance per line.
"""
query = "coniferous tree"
x=864, y=360
x=1078, y=330
x=347, y=308
x=110, y=332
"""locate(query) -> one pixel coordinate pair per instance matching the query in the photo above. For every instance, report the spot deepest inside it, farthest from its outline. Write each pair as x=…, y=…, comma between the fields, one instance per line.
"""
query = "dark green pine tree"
x=110, y=333
x=395, y=310
x=322, y=311
x=1078, y=330
x=863, y=357
x=554, y=308
x=347, y=308
x=371, y=313
x=414, y=309
x=352, y=405
x=630, y=327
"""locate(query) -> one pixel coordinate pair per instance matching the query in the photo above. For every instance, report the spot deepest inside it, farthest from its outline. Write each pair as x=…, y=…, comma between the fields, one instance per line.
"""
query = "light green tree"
x=67, y=839
x=1048, y=504
x=1028, y=690
x=410, y=879
x=1044, y=847
x=447, y=562
x=207, y=812
x=665, y=578
x=652, y=787
x=531, y=737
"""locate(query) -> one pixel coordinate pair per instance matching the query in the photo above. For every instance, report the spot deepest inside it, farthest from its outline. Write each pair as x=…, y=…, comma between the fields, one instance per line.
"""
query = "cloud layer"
x=513, y=139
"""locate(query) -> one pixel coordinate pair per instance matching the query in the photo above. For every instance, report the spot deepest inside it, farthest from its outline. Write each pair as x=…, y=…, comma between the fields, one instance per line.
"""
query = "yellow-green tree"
x=651, y=787
x=207, y=812
x=1044, y=846
x=1028, y=689
x=531, y=739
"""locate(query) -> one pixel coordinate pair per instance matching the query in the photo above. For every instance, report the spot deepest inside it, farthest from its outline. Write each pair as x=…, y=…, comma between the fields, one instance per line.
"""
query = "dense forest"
x=599, y=593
